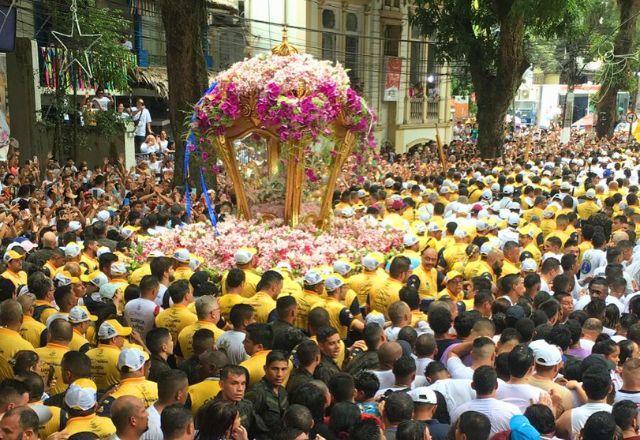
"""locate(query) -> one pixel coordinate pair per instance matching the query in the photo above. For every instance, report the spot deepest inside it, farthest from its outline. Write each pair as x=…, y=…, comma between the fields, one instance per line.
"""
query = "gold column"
x=293, y=189
x=344, y=149
x=527, y=149
x=226, y=154
x=443, y=159
x=273, y=147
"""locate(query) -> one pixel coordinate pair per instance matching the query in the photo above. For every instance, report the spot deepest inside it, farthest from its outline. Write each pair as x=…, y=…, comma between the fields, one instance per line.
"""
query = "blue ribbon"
x=192, y=142
x=207, y=201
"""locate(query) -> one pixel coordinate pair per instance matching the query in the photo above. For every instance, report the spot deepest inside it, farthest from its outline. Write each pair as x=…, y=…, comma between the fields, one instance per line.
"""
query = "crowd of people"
x=511, y=310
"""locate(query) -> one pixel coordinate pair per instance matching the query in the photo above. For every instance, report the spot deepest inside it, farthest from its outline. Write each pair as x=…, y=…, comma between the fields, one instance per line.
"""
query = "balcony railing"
x=421, y=110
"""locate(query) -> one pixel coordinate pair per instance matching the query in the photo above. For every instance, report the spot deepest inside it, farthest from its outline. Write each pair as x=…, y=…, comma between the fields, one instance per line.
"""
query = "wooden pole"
x=443, y=159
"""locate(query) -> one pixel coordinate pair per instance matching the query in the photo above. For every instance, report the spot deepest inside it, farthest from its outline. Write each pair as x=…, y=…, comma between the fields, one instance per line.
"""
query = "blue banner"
x=207, y=201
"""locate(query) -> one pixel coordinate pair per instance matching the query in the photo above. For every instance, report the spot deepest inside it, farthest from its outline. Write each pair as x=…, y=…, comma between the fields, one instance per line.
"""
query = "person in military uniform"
x=268, y=396
x=233, y=383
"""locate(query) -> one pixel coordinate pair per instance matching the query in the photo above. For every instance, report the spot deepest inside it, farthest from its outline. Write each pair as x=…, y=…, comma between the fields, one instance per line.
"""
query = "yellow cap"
x=12, y=255
x=452, y=274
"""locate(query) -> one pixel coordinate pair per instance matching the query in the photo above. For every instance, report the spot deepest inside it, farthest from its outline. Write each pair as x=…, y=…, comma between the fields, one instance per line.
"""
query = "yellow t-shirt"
x=53, y=425
x=227, y=301
x=77, y=341
x=587, y=209
x=385, y=294
x=255, y=366
x=508, y=268
x=535, y=252
x=202, y=392
x=138, y=387
x=185, y=337
x=361, y=284
x=182, y=273
x=11, y=342
x=51, y=357
x=89, y=264
x=306, y=301
x=251, y=279
x=18, y=279
x=175, y=318
x=103, y=427
x=428, y=282
x=48, y=310
x=454, y=253
x=137, y=275
x=263, y=305
x=31, y=330
x=104, y=365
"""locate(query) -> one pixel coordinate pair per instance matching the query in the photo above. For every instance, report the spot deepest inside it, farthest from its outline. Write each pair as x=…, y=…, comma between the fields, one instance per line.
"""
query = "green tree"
x=619, y=67
x=490, y=36
x=184, y=24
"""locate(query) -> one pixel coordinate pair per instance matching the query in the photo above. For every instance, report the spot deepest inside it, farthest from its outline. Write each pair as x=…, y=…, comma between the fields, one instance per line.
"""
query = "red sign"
x=392, y=78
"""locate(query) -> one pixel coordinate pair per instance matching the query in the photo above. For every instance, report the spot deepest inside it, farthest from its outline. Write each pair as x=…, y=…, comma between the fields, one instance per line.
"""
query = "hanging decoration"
x=76, y=44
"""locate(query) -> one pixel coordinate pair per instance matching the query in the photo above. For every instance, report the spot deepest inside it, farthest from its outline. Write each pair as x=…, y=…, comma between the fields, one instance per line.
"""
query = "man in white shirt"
x=485, y=383
x=593, y=258
x=141, y=312
x=172, y=389
x=142, y=121
x=630, y=382
x=598, y=289
x=404, y=372
x=596, y=383
x=517, y=391
x=482, y=352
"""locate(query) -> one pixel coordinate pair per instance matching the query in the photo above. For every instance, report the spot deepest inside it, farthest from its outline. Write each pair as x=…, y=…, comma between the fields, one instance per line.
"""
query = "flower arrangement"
x=297, y=95
x=304, y=247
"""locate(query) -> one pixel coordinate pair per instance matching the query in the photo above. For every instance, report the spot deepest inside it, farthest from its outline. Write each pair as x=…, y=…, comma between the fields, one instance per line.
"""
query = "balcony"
x=422, y=110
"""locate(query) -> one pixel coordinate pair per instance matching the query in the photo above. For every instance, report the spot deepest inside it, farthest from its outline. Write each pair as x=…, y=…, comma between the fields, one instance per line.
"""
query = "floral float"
x=303, y=247
x=295, y=102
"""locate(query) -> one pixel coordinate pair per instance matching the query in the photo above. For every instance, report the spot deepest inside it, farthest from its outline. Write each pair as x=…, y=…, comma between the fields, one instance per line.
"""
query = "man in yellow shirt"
x=289, y=286
x=55, y=262
x=456, y=252
x=181, y=269
x=361, y=283
x=268, y=289
x=133, y=364
x=247, y=261
x=59, y=336
x=89, y=256
x=340, y=317
x=208, y=313
x=428, y=274
x=453, y=289
x=10, y=340
x=526, y=236
x=31, y=330
x=257, y=344
x=14, y=272
x=80, y=319
x=177, y=317
x=589, y=207
x=387, y=292
x=104, y=358
x=81, y=401
x=210, y=363
x=119, y=275
x=309, y=298
x=234, y=286
x=511, y=265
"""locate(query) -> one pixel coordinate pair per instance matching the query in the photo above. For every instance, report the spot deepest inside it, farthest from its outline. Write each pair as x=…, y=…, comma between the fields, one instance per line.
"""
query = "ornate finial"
x=284, y=49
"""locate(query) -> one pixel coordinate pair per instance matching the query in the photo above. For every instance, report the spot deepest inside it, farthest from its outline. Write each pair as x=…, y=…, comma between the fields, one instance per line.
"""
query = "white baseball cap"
x=131, y=358
x=71, y=250
x=181, y=255
x=590, y=194
x=460, y=233
x=342, y=267
x=103, y=215
x=312, y=277
x=155, y=254
x=332, y=283
x=102, y=250
x=112, y=328
x=508, y=189
x=485, y=248
x=74, y=225
x=419, y=227
x=433, y=227
x=244, y=255
x=482, y=225
x=513, y=219
x=370, y=262
x=82, y=394
x=486, y=195
x=347, y=212
x=96, y=278
x=389, y=182
x=424, y=215
x=565, y=186
x=118, y=268
x=108, y=290
x=529, y=265
x=80, y=314
x=423, y=395
x=545, y=354
x=409, y=240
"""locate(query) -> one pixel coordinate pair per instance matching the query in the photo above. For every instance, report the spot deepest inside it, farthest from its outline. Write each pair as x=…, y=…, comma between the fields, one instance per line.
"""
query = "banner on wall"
x=393, y=75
